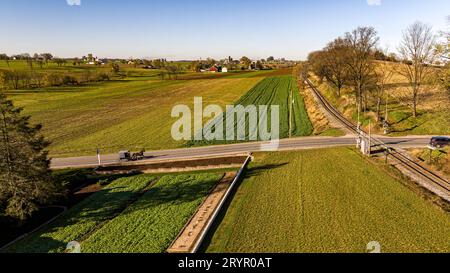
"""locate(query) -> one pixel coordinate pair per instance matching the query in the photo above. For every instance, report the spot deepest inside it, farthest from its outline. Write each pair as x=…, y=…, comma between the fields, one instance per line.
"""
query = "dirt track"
x=189, y=235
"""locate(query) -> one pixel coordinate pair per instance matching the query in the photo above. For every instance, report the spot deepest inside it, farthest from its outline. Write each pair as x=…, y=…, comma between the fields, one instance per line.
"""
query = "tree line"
x=353, y=61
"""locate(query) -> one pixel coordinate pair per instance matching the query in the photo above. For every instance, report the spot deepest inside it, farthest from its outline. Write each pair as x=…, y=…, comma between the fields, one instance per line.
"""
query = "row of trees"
x=350, y=61
x=16, y=79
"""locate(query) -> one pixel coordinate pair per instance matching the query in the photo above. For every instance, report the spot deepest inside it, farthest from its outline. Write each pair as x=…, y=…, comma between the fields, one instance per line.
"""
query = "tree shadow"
x=397, y=85
x=86, y=215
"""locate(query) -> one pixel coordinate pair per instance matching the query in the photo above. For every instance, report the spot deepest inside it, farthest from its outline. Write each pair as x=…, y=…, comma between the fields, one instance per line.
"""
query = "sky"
x=197, y=29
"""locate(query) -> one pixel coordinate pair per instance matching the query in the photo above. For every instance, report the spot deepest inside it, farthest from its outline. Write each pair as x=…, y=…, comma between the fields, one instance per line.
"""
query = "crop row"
x=153, y=222
x=84, y=217
x=272, y=91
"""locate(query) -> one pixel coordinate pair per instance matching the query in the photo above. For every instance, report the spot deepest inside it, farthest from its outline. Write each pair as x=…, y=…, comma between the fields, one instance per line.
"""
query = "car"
x=439, y=142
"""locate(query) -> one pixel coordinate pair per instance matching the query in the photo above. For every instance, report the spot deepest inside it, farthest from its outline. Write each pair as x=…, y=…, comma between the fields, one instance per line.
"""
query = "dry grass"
x=438, y=160
x=433, y=108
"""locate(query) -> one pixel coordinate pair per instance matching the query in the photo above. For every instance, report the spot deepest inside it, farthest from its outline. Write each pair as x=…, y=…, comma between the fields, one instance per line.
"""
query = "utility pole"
x=290, y=113
x=98, y=157
x=370, y=138
x=359, y=124
x=386, y=111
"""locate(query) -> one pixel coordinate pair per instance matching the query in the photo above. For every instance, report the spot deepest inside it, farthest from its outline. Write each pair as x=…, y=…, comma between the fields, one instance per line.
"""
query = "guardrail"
x=213, y=217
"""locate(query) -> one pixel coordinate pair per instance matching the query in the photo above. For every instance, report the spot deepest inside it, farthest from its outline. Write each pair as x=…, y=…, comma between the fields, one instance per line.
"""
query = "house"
x=214, y=69
x=224, y=70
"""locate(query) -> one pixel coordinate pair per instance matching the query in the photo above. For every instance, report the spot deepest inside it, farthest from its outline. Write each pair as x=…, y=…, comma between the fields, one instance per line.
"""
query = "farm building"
x=224, y=70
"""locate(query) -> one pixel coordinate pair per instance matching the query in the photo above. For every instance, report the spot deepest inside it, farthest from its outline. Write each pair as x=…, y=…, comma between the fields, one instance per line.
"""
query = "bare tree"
x=362, y=43
x=417, y=51
x=335, y=59
x=383, y=75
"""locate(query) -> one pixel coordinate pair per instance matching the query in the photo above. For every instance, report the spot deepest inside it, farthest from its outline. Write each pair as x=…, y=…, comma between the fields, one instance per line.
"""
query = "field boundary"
x=188, y=233
x=198, y=241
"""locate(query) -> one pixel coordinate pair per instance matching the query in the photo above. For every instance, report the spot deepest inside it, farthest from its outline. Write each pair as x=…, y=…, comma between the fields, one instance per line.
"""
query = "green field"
x=122, y=114
x=84, y=217
x=153, y=222
x=275, y=90
x=129, y=215
x=329, y=200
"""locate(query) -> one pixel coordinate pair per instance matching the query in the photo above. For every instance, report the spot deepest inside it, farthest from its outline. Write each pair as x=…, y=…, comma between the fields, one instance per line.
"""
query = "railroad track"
x=407, y=162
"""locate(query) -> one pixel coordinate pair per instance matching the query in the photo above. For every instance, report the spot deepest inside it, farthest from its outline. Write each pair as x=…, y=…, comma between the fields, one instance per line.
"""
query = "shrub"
x=70, y=80
x=52, y=79
x=103, y=77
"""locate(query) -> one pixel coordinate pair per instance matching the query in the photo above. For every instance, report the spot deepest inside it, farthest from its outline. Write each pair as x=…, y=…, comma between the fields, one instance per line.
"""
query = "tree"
x=300, y=71
x=173, y=70
x=316, y=61
x=54, y=79
x=246, y=61
x=30, y=63
x=196, y=66
x=47, y=57
x=40, y=62
x=383, y=76
x=76, y=61
x=60, y=61
x=417, y=51
x=25, y=178
x=361, y=42
x=3, y=81
x=335, y=59
x=158, y=63
x=270, y=59
x=14, y=77
x=259, y=65
x=115, y=68
x=444, y=52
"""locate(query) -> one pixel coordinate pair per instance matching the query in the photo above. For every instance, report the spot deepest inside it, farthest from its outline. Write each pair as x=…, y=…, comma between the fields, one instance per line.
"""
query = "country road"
x=285, y=144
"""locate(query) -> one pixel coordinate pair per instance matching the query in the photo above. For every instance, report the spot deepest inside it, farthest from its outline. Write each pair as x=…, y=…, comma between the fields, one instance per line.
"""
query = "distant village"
x=208, y=65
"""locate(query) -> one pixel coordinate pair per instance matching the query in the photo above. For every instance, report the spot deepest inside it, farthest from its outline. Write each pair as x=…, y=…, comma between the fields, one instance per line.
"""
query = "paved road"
x=285, y=144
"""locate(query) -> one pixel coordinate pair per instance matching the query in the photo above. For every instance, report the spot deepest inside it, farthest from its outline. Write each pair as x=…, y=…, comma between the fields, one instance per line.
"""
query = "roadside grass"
x=153, y=222
x=332, y=132
x=329, y=200
x=84, y=217
x=438, y=159
x=270, y=91
x=124, y=114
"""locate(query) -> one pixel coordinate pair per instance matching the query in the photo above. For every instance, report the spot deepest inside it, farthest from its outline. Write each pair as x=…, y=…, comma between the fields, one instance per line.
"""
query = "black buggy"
x=127, y=156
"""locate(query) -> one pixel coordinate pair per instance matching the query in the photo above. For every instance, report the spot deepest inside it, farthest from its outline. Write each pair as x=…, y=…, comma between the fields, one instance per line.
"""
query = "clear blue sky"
x=191, y=29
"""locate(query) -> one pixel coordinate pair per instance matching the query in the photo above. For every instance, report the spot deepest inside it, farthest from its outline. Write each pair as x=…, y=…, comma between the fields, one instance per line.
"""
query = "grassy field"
x=129, y=215
x=122, y=114
x=84, y=217
x=433, y=108
x=328, y=200
x=275, y=90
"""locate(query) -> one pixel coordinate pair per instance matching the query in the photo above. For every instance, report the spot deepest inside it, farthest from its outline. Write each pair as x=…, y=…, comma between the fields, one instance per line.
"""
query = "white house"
x=224, y=70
